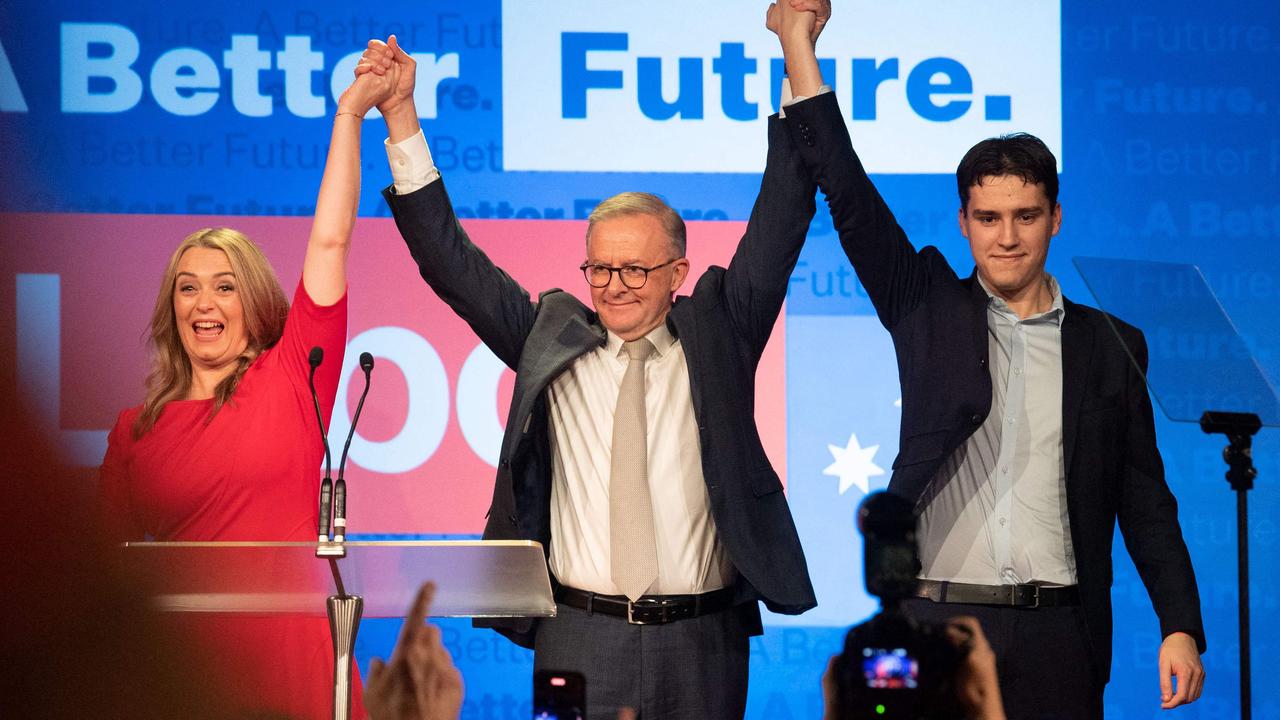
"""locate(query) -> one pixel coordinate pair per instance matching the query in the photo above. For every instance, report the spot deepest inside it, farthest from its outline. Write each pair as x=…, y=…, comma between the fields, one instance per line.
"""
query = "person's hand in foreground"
x=420, y=681
x=977, y=686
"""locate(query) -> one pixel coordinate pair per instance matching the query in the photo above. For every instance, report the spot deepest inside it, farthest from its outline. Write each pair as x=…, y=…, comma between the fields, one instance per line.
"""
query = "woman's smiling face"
x=207, y=309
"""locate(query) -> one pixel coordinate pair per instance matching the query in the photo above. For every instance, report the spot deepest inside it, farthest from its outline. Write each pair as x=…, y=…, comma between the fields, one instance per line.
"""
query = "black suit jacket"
x=723, y=327
x=938, y=322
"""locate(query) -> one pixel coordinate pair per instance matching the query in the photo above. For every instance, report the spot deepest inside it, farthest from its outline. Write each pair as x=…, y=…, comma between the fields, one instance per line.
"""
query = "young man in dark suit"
x=1027, y=432
x=631, y=450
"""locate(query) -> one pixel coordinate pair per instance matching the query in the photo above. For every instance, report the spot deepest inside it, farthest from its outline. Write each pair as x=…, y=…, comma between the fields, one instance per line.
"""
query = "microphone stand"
x=315, y=358
x=1239, y=429
x=344, y=610
x=340, y=486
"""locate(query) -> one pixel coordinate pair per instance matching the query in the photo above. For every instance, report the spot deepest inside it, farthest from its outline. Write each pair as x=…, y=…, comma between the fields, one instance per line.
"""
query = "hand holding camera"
x=893, y=666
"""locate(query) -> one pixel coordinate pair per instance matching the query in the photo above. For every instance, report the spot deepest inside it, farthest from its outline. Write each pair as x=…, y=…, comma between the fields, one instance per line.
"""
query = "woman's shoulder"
x=128, y=416
x=121, y=434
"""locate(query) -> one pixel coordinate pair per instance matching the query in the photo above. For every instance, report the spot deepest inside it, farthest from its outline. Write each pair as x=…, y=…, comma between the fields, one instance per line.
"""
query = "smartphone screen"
x=559, y=695
x=890, y=669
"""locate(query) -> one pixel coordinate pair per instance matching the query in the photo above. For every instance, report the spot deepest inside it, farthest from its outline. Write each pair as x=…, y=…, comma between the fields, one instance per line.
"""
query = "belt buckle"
x=644, y=604
x=1018, y=595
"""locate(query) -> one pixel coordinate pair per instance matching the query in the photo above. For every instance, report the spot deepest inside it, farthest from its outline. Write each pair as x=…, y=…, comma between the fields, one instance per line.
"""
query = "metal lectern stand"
x=357, y=579
x=1200, y=371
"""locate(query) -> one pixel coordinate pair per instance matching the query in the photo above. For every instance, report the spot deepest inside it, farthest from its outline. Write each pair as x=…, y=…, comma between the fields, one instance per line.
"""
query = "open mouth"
x=207, y=328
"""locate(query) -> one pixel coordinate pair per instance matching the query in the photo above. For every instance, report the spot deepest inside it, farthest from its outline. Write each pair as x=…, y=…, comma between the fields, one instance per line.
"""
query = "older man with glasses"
x=631, y=450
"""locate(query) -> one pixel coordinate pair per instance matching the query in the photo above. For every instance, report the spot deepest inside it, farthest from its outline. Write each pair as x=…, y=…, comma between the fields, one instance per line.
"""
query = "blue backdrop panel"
x=1170, y=151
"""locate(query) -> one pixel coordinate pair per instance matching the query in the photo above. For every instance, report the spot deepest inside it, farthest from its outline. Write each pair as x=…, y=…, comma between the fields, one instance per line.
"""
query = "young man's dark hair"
x=1020, y=154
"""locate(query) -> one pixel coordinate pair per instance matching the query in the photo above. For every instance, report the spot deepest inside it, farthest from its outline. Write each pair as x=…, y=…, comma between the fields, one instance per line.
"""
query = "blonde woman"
x=224, y=445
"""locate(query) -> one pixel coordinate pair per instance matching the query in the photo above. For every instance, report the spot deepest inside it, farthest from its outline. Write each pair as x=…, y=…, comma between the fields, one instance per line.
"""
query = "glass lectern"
x=345, y=581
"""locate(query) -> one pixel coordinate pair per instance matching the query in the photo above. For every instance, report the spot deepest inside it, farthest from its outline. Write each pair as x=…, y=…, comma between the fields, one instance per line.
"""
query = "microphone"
x=326, y=486
x=340, y=487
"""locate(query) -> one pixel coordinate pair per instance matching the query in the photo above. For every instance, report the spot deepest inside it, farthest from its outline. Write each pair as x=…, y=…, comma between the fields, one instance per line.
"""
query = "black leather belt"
x=1008, y=595
x=649, y=609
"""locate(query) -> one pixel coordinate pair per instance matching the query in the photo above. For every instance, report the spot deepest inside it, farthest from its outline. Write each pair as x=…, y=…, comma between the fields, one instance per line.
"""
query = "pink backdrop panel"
x=108, y=269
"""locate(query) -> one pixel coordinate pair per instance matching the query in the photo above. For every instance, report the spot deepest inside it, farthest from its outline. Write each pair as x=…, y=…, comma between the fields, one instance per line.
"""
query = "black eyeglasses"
x=632, y=276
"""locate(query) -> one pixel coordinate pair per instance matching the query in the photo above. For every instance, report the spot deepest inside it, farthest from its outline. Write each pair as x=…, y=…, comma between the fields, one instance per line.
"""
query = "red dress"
x=252, y=473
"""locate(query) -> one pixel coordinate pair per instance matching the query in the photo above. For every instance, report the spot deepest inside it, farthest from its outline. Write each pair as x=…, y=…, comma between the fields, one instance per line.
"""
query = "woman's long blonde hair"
x=265, y=309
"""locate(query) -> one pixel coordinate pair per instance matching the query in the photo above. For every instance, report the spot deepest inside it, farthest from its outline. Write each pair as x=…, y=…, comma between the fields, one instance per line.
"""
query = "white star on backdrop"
x=853, y=465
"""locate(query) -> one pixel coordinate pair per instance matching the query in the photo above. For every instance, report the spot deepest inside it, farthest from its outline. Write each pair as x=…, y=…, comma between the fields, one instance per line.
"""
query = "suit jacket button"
x=503, y=463
x=976, y=419
x=982, y=362
x=512, y=518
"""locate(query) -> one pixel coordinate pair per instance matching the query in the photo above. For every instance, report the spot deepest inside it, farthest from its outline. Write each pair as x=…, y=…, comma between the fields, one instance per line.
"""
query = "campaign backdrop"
x=126, y=125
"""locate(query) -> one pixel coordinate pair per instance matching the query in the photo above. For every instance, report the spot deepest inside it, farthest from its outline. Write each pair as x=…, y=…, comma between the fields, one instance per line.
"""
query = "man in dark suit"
x=1027, y=432
x=631, y=450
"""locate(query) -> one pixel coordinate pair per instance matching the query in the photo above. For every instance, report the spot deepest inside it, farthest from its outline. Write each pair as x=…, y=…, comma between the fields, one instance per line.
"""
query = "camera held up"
x=893, y=666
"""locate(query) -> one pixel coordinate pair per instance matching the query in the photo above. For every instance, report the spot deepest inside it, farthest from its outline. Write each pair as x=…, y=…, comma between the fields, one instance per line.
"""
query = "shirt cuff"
x=411, y=165
x=788, y=99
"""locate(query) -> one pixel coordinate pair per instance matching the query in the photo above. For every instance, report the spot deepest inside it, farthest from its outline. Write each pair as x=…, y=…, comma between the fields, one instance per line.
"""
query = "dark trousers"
x=693, y=669
x=1043, y=659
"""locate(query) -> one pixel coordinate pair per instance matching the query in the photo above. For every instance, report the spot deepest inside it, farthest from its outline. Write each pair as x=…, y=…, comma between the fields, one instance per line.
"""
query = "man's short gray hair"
x=641, y=203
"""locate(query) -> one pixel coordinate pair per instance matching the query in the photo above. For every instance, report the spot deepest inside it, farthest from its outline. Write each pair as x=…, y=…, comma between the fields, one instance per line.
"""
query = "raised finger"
x=400, y=53
x=413, y=622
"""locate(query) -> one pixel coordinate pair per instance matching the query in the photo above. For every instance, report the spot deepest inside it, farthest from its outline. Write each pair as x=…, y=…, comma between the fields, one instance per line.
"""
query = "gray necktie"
x=633, y=550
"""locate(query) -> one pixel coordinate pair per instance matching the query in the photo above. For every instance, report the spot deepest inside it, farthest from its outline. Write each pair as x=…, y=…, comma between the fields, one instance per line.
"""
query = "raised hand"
x=822, y=13
x=797, y=31
x=366, y=91
x=977, y=685
x=805, y=18
x=389, y=58
x=420, y=681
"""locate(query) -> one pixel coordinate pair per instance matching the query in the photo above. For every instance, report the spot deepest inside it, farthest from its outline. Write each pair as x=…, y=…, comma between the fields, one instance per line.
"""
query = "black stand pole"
x=1239, y=429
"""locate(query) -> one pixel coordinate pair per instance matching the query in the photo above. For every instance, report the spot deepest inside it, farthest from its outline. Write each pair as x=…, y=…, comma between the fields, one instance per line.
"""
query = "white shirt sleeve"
x=411, y=165
x=787, y=99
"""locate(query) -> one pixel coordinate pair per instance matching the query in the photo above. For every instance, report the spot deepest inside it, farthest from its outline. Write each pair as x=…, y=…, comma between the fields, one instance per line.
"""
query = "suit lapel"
x=546, y=355
x=1077, y=350
x=682, y=321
